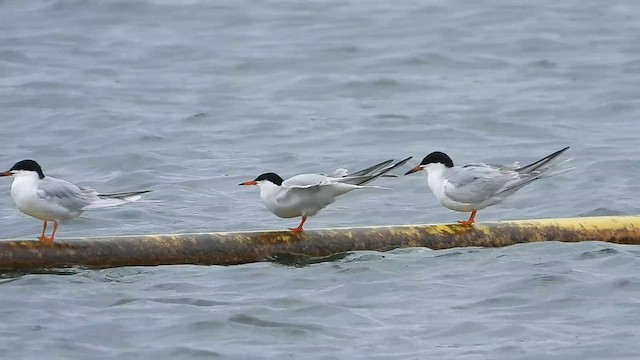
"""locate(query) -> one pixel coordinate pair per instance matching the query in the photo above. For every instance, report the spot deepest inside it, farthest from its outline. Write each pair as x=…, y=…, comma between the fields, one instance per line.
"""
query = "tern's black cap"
x=437, y=157
x=28, y=165
x=273, y=177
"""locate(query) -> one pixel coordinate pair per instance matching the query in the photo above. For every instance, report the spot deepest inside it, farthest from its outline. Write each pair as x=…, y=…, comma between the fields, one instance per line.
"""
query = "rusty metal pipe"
x=229, y=248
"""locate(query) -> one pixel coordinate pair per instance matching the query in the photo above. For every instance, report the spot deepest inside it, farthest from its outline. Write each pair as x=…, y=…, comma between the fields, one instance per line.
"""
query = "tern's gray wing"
x=305, y=181
x=362, y=174
x=371, y=173
x=371, y=169
x=340, y=172
x=475, y=183
x=315, y=189
x=65, y=194
x=515, y=165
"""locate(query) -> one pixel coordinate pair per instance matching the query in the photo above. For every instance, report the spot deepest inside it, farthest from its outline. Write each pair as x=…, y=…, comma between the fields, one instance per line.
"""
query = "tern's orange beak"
x=415, y=169
x=6, y=173
x=252, y=182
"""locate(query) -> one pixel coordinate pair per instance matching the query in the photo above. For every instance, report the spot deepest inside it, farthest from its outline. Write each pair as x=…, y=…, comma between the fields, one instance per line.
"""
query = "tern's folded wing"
x=65, y=194
x=474, y=184
x=305, y=181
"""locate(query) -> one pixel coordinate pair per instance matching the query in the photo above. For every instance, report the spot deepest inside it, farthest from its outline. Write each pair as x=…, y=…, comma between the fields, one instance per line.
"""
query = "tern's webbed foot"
x=46, y=239
x=471, y=219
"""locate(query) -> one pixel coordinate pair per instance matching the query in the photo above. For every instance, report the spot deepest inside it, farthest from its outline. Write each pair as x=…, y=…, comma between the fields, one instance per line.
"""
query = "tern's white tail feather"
x=115, y=199
x=554, y=169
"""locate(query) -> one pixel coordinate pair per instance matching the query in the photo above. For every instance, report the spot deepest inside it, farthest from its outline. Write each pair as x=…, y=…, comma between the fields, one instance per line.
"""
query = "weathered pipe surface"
x=228, y=248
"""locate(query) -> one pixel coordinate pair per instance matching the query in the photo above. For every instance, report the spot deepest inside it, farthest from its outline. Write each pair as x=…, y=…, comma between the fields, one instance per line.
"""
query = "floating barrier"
x=229, y=248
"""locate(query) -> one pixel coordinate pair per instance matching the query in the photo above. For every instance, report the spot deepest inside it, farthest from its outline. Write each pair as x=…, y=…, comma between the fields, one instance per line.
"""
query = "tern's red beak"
x=415, y=169
x=6, y=173
x=252, y=182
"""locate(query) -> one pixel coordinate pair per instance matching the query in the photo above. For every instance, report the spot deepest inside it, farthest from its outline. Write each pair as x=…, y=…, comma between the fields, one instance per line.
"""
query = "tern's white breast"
x=24, y=191
x=437, y=182
x=287, y=203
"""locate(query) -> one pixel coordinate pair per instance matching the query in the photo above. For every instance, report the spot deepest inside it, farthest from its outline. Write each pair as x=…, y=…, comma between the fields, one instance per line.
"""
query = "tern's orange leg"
x=44, y=228
x=471, y=219
x=46, y=239
x=55, y=228
x=299, y=228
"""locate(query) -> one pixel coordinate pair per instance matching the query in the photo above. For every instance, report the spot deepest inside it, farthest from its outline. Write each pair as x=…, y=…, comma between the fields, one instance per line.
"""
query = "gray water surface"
x=191, y=97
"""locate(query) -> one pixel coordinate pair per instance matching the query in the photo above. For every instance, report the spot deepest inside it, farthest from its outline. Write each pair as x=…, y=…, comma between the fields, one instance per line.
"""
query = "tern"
x=477, y=185
x=50, y=199
x=306, y=194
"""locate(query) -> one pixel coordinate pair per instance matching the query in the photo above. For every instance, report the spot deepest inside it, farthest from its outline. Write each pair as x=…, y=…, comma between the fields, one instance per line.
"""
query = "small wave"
x=301, y=260
x=189, y=301
x=596, y=254
x=183, y=352
x=254, y=321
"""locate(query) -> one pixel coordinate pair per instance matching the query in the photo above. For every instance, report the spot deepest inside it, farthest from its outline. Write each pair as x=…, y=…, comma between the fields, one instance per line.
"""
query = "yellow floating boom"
x=229, y=248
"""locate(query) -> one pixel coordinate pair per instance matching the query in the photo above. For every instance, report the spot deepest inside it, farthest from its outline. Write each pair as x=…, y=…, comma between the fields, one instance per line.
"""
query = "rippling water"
x=191, y=97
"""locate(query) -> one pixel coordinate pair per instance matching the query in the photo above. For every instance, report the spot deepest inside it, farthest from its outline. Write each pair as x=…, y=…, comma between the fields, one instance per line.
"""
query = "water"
x=550, y=300
x=191, y=97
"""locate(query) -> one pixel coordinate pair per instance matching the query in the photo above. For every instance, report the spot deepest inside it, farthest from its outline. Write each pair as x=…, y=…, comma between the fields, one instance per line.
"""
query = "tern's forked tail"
x=115, y=199
x=542, y=168
x=367, y=175
x=542, y=165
